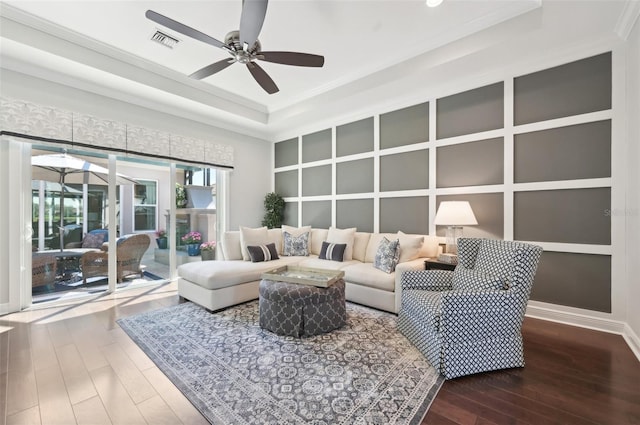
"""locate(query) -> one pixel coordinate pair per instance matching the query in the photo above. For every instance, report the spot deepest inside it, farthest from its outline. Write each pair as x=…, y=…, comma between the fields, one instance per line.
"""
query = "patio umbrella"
x=62, y=166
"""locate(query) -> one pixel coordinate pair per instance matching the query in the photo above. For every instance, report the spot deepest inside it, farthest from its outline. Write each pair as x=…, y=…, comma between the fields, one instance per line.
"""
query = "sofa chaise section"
x=232, y=280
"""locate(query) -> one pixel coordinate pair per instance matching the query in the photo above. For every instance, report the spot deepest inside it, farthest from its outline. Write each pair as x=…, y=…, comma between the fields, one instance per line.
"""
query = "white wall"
x=249, y=181
x=248, y=187
x=633, y=186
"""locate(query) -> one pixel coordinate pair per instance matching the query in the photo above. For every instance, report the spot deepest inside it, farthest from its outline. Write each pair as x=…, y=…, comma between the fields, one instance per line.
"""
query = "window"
x=145, y=205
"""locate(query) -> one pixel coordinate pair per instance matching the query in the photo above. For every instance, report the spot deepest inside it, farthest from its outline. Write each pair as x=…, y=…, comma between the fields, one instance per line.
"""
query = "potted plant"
x=181, y=196
x=192, y=241
x=161, y=239
x=207, y=250
x=274, y=210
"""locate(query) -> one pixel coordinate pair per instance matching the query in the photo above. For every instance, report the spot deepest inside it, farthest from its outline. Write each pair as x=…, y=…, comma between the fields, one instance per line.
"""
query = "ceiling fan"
x=243, y=45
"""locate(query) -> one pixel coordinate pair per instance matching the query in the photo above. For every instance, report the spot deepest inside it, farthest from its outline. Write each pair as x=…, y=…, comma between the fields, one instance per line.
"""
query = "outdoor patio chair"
x=130, y=250
x=469, y=320
x=43, y=269
x=94, y=239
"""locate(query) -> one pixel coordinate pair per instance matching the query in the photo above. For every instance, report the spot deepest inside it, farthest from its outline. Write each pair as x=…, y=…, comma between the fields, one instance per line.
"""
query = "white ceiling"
x=357, y=38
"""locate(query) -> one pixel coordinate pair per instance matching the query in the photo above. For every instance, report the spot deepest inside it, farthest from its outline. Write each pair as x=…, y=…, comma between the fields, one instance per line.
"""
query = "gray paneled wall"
x=355, y=213
x=286, y=153
x=566, y=216
x=316, y=214
x=316, y=146
x=354, y=176
x=408, y=214
x=473, y=111
x=578, y=280
x=291, y=213
x=580, y=151
x=405, y=126
x=316, y=180
x=286, y=183
x=404, y=171
x=471, y=164
x=355, y=137
x=555, y=182
x=570, y=89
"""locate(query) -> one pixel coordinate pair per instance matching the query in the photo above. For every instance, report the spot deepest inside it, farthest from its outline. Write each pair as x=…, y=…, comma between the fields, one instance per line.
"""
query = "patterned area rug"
x=234, y=372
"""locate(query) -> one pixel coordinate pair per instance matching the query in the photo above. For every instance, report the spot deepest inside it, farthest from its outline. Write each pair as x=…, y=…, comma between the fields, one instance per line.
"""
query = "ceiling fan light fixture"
x=434, y=3
x=242, y=45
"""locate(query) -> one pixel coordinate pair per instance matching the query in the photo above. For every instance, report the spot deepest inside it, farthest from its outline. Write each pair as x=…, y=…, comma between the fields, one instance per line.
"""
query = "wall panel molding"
x=485, y=113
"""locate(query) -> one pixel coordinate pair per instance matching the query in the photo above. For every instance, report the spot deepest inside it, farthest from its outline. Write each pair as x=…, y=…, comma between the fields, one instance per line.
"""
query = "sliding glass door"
x=72, y=234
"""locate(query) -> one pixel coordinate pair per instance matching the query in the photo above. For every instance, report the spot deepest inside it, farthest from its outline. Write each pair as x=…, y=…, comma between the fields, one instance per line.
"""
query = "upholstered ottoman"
x=301, y=310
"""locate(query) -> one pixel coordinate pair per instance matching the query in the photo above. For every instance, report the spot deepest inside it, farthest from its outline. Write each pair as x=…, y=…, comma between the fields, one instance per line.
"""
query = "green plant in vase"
x=274, y=210
x=181, y=196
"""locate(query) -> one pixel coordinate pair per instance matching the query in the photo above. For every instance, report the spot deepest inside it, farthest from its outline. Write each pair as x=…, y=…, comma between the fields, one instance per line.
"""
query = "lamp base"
x=452, y=234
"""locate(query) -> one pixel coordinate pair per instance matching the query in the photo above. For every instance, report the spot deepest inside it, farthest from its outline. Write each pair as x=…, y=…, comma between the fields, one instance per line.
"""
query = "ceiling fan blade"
x=182, y=29
x=262, y=78
x=211, y=69
x=251, y=20
x=292, y=58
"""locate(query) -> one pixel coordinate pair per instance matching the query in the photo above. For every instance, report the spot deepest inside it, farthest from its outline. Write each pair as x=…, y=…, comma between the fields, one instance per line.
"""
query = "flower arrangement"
x=192, y=238
x=160, y=234
x=181, y=196
x=208, y=246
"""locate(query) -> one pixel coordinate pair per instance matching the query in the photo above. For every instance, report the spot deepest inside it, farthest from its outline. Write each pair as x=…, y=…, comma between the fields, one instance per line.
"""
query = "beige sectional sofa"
x=232, y=280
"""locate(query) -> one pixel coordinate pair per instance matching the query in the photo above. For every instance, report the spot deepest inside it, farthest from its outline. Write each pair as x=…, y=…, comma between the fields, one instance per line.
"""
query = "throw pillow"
x=387, y=255
x=93, y=240
x=296, y=231
x=465, y=279
x=345, y=236
x=231, y=246
x=296, y=246
x=261, y=253
x=409, y=247
x=249, y=236
x=332, y=251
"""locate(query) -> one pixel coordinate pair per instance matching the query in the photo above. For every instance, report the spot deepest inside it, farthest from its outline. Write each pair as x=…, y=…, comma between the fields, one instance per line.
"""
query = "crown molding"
x=628, y=18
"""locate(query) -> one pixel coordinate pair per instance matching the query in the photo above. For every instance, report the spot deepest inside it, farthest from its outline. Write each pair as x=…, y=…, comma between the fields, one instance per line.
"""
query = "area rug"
x=234, y=372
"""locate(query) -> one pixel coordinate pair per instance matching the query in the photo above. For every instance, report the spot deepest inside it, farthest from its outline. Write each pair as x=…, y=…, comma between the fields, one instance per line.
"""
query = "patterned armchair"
x=130, y=250
x=469, y=320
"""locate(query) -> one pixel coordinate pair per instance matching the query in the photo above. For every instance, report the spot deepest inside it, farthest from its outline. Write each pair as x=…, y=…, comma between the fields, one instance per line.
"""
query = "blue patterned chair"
x=469, y=320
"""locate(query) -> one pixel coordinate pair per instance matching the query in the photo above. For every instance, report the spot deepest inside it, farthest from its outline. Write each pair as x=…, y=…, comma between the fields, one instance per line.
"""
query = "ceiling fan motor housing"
x=232, y=39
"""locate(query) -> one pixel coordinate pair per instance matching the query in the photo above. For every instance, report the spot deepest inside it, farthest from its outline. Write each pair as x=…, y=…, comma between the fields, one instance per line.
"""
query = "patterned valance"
x=48, y=125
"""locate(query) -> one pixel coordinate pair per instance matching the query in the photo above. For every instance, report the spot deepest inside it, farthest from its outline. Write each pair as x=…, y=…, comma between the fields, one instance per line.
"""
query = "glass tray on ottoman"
x=304, y=275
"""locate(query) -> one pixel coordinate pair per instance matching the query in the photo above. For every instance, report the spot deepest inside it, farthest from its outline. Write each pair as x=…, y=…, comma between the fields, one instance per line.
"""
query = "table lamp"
x=454, y=215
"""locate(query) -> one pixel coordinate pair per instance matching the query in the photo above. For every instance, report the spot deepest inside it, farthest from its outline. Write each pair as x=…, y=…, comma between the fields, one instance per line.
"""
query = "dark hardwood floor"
x=72, y=364
x=572, y=376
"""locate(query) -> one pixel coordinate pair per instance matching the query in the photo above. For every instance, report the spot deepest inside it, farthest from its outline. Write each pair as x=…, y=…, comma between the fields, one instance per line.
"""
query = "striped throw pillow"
x=260, y=253
x=332, y=251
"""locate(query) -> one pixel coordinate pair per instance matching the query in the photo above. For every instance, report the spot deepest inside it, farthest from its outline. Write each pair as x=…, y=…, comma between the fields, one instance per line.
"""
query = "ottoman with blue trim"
x=297, y=310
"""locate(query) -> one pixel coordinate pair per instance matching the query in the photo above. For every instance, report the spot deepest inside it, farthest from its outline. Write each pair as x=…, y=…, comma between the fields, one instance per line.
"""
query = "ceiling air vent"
x=164, y=39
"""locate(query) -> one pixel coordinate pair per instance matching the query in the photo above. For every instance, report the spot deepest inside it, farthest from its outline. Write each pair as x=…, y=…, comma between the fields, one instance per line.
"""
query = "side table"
x=434, y=264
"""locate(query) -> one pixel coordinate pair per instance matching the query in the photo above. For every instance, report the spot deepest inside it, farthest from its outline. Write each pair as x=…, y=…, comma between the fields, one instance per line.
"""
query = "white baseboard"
x=589, y=322
x=632, y=340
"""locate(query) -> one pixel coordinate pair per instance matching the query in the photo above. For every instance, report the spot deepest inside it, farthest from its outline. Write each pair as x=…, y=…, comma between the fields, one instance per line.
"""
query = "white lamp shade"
x=455, y=213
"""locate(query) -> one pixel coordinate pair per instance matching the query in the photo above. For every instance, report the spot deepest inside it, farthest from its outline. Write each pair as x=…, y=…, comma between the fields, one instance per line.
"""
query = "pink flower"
x=208, y=246
x=192, y=237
